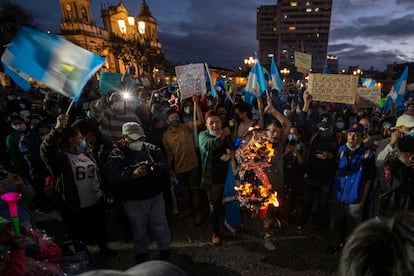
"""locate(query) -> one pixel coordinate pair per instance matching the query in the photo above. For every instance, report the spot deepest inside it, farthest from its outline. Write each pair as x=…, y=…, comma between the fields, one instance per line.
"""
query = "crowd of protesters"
x=122, y=152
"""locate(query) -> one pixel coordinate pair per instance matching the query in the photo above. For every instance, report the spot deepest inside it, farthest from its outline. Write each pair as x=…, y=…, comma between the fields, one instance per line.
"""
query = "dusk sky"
x=223, y=32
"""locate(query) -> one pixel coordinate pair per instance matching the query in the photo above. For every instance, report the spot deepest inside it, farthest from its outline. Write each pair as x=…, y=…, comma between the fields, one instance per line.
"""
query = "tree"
x=12, y=16
x=132, y=50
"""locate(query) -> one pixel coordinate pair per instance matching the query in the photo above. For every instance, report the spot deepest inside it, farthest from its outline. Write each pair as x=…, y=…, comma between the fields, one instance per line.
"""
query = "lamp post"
x=358, y=72
x=249, y=62
x=285, y=72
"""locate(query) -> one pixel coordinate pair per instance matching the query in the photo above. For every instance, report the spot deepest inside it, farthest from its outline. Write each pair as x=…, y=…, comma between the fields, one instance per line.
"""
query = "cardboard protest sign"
x=333, y=88
x=368, y=97
x=303, y=62
x=191, y=79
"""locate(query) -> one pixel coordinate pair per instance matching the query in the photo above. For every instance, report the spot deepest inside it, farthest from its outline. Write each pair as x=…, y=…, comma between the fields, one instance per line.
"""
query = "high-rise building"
x=301, y=26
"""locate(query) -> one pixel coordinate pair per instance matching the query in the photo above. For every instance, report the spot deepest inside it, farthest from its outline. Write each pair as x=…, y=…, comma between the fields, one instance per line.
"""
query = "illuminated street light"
x=285, y=72
x=249, y=61
x=358, y=72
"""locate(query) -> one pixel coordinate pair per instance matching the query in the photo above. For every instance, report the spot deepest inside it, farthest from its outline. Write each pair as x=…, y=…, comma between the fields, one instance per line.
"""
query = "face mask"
x=187, y=110
x=402, y=159
x=215, y=135
x=286, y=112
x=118, y=106
x=292, y=137
x=20, y=127
x=82, y=145
x=174, y=123
x=89, y=114
x=136, y=146
x=409, y=133
x=339, y=125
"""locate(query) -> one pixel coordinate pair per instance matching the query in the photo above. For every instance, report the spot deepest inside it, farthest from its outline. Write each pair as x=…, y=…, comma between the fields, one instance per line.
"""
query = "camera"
x=152, y=168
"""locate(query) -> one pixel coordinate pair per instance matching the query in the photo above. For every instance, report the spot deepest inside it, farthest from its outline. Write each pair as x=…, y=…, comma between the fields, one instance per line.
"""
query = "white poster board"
x=368, y=97
x=303, y=62
x=191, y=80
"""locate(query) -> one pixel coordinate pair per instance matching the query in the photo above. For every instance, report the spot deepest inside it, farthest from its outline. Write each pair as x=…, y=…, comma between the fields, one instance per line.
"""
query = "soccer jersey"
x=86, y=178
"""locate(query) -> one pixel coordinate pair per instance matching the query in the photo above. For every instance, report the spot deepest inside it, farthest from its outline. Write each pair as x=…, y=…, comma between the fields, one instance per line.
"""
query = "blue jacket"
x=351, y=178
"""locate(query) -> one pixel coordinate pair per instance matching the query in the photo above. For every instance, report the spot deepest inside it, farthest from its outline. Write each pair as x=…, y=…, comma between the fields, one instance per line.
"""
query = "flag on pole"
x=396, y=95
x=208, y=79
x=326, y=70
x=368, y=82
x=50, y=59
x=256, y=83
x=276, y=80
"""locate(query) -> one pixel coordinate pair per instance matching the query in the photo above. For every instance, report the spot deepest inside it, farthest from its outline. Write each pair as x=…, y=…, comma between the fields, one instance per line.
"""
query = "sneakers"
x=216, y=240
x=268, y=244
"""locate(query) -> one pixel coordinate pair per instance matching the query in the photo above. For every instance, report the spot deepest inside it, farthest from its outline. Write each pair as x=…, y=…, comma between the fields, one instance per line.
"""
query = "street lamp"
x=249, y=61
x=284, y=73
x=358, y=72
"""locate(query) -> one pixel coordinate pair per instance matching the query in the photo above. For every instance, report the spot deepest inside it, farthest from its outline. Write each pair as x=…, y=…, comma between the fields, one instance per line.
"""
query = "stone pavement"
x=297, y=253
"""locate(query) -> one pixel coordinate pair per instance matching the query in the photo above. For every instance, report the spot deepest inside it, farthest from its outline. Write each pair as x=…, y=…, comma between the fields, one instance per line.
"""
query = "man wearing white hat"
x=403, y=127
x=137, y=173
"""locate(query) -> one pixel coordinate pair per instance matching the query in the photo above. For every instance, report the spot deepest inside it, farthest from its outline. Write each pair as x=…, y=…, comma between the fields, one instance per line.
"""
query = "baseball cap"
x=357, y=128
x=211, y=113
x=405, y=120
x=133, y=130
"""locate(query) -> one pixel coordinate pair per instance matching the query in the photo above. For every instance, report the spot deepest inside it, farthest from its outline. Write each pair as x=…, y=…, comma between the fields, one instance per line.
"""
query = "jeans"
x=323, y=189
x=148, y=212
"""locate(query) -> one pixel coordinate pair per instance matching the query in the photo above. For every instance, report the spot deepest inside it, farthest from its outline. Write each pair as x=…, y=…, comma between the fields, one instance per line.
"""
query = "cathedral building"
x=78, y=26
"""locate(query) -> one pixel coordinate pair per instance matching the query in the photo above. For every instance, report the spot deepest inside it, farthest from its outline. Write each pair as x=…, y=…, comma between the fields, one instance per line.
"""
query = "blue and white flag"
x=276, y=80
x=326, y=70
x=52, y=60
x=256, y=83
x=368, y=82
x=396, y=95
x=208, y=79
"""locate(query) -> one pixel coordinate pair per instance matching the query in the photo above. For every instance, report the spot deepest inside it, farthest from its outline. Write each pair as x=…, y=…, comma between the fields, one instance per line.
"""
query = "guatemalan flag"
x=256, y=82
x=50, y=59
x=368, y=82
x=276, y=80
x=397, y=92
x=209, y=80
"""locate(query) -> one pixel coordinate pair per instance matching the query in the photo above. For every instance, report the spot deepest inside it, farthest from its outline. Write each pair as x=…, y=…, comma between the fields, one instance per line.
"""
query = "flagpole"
x=69, y=107
x=260, y=107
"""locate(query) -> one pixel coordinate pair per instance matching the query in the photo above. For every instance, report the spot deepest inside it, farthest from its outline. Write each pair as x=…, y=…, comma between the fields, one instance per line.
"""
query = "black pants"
x=87, y=224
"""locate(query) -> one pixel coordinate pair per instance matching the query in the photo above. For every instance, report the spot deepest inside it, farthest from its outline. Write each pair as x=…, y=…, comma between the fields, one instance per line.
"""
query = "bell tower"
x=76, y=11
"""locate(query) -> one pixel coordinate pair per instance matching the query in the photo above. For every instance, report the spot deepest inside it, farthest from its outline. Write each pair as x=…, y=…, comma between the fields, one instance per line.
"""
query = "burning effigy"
x=254, y=190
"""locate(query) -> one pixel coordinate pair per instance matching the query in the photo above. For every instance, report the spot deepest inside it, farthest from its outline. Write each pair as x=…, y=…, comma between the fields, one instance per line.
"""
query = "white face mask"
x=118, y=106
x=136, y=146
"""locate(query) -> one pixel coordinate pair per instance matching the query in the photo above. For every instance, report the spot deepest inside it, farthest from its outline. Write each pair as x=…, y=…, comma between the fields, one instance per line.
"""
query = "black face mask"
x=174, y=123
